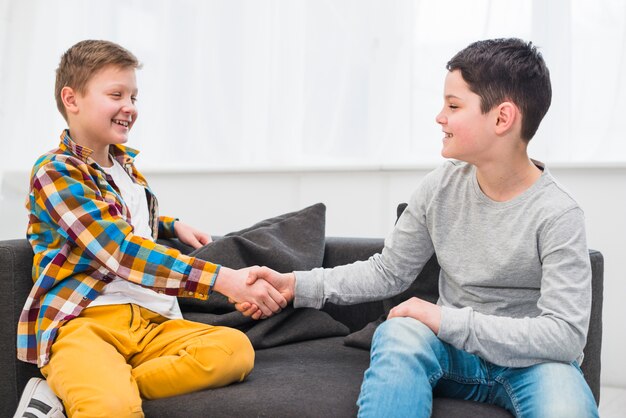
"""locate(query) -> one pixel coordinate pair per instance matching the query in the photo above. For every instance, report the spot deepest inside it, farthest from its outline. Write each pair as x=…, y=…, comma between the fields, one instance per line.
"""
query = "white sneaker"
x=38, y=401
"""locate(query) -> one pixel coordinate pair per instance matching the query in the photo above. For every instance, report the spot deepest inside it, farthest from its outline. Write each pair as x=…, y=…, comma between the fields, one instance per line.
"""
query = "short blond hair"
x=83, y=60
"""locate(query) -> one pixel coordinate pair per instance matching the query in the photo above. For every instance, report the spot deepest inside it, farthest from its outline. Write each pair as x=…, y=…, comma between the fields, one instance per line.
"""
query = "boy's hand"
x=265, y=298
x=190, y=236
x=427, y=313
x=284, y=283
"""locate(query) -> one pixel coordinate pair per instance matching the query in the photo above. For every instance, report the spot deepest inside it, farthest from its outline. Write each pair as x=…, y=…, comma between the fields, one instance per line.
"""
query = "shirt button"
x=160, y=292
x=190, y=293
x=201, y=295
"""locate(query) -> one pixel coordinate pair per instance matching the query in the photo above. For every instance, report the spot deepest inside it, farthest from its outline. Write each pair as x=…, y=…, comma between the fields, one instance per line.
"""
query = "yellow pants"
x=105, y=360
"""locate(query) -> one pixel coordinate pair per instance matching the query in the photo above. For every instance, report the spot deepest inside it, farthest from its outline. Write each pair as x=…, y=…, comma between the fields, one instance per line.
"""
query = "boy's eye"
x=453, y=106
x=133, y=99
x=117, y=94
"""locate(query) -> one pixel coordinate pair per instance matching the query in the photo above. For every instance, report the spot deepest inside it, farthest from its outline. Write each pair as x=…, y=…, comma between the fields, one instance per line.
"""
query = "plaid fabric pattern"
x=79, y=228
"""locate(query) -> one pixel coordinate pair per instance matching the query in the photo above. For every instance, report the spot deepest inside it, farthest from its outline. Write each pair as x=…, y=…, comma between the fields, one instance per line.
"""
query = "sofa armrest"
x=16, y=258
x=591, y=366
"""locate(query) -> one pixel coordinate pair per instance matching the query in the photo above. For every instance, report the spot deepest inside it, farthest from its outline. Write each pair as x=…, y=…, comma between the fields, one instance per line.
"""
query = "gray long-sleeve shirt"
x=515, y=281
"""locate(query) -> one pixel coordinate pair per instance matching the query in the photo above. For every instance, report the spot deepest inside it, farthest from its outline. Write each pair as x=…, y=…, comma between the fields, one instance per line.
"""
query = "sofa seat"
x=318, y=378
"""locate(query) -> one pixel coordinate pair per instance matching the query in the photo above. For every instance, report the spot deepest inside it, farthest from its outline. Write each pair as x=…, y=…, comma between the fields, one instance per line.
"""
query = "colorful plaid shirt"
x=80, y=231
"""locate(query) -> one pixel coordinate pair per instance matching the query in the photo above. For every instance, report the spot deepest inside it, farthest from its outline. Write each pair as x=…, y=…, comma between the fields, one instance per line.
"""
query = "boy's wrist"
x=290, y=291
x=220, y=281
x=214, y=280
x=434, y=318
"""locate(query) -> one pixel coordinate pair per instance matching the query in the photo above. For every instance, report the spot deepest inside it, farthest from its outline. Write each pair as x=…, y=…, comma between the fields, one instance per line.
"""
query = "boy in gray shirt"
x=511, y=321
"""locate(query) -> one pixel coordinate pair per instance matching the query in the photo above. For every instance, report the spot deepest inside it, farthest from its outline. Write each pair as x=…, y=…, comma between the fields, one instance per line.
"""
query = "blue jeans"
x=409, y=365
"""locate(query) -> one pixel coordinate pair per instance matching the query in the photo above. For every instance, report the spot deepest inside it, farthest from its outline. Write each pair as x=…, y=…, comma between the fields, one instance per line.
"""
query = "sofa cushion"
x=286, y=242
x=293, y=241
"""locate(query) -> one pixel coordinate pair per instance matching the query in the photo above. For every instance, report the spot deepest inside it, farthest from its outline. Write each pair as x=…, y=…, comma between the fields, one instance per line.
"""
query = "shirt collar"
x=123, y=154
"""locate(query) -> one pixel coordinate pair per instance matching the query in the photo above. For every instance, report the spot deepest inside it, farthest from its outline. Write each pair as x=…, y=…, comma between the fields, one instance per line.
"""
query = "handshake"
x=257, y=292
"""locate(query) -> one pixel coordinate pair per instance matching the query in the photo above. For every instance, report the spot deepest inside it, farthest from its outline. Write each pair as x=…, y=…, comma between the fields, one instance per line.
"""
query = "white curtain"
x=237, y=84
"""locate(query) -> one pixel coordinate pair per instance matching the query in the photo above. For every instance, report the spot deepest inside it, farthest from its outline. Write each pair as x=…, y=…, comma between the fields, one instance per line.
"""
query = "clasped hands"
x=263, y=292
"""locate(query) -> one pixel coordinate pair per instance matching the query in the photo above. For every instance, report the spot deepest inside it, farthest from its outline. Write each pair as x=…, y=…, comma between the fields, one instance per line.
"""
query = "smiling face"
x=467, y=130
x=106, y=112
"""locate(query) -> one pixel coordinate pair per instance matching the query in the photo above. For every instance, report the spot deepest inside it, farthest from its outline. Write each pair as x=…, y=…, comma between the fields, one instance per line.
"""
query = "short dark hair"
x=508, y=69
x=83, y=60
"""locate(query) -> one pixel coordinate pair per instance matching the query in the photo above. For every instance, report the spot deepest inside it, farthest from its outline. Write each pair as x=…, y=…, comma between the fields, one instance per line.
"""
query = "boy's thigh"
x=173, y=336
x=545, y=390
x=411, y=337
x=182, y=356
x=89, y=374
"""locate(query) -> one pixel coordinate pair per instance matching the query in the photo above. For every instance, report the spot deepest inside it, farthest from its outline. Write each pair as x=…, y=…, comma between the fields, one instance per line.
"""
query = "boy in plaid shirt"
x=102, y=320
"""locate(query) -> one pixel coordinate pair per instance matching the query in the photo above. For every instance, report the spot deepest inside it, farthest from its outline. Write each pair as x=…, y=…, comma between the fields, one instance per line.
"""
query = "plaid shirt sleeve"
x=82, y=240
x=166, y=227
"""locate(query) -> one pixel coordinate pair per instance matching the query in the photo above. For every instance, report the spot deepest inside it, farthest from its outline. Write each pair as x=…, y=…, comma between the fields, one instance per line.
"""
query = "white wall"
x=361, y=202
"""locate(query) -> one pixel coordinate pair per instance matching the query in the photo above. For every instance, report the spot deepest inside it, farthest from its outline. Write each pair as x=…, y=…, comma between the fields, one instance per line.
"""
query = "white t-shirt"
x=121, y=291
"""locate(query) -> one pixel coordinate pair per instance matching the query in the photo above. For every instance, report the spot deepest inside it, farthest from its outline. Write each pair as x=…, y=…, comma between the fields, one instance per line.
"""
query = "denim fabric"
x=409, y=365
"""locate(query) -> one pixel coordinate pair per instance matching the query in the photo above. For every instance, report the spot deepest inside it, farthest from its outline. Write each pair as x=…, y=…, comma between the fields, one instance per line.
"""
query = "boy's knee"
x=400, y=332
x=552, y=390
x=238, y=356
x=407, y=342
x=568, y=403
x=568, y=408
x=243, y=353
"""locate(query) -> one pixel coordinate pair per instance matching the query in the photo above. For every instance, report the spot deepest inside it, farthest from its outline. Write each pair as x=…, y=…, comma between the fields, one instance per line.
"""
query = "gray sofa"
x=317, y=377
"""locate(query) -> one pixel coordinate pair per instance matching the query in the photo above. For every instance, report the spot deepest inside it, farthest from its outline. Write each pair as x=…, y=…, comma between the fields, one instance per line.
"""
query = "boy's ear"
x=68, y=96
x=507, y=116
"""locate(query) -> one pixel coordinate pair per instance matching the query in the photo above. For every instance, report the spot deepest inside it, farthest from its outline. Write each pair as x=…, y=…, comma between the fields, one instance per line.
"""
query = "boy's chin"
x=446, y=153
x=120, y=139
x=450, y=154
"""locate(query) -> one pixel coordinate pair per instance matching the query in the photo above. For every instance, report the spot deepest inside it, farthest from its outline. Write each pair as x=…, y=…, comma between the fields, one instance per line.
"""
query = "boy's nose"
x=440, y=118
x=129, y=108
